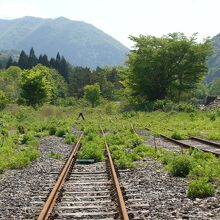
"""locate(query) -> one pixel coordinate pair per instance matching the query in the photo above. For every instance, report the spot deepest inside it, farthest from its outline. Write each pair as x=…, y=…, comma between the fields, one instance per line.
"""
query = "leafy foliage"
x=40, y=85
x=200, y=189
x=166, y=67
x=92, y=94
x=180, y=166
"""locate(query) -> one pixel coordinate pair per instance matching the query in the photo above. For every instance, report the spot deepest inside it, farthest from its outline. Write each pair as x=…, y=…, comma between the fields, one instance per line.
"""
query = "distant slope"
x=214, y=60
x=81, y=43
x=5, y=54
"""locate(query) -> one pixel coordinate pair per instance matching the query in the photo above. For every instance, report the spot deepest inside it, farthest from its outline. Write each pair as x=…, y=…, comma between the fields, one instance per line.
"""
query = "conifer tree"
x=45, y=61
x=23, y=60
x=53, y=63
x=58, y=60
x=63, y=68
x=32, y=59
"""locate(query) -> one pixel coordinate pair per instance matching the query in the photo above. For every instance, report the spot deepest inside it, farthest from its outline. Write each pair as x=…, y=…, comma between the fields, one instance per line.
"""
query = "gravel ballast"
x=21, y=195
x=167, y=195
x=164, y=196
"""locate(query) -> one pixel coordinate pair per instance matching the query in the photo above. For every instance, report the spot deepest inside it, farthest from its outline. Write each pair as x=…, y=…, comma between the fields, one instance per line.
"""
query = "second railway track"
x=196, y=143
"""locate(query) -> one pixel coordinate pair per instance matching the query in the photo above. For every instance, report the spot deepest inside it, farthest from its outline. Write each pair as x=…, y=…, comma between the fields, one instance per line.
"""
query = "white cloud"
x=19, y=8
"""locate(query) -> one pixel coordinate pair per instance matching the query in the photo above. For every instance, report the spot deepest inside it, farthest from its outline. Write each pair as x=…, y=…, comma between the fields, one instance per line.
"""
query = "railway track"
x=195, y=143
x=89, y=191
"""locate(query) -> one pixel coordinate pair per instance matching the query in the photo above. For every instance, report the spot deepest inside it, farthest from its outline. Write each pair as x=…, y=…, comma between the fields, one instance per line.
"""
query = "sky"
x=121, y=18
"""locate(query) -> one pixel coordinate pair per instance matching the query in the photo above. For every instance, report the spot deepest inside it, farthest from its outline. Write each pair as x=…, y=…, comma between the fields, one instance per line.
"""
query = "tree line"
x=172, y=67
x=26, y=61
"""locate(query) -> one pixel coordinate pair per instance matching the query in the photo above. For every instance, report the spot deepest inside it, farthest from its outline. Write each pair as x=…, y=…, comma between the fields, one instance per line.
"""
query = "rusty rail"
x=186, y=145
x=212, y=143
x=121, y=202
x=51, y=200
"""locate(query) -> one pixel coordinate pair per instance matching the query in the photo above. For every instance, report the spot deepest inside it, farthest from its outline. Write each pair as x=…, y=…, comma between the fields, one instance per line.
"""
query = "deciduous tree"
x=161, y=67
x=92, y=94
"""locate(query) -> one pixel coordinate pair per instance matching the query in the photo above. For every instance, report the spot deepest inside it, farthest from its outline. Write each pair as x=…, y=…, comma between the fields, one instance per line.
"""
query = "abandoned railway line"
x=192, y=142
x=91, y=191
x=98, y=191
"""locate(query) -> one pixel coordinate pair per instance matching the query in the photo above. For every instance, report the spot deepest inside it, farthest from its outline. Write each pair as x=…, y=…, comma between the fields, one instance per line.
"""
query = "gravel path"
x=20, y=196
x=166, y=195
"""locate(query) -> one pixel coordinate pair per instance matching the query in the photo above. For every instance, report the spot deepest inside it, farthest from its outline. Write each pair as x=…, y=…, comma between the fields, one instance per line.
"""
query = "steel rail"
x=208, y=142
x=121, y=202
x=51, y=200
x=183, y=144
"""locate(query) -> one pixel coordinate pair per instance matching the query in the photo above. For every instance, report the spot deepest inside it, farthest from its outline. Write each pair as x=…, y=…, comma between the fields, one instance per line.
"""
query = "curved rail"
x=49, y=204
x=121, y=202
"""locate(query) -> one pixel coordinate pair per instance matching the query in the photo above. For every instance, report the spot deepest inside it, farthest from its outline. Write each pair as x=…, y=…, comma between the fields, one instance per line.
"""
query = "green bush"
x=164, y=105
x=70, y=138
x=24, y=138
x=180, y=165
x=124, y=162
x=52, y=130
x=92, y=151
x=60, y=132
x=185, y=107
x=200, y=189
x=177, y=136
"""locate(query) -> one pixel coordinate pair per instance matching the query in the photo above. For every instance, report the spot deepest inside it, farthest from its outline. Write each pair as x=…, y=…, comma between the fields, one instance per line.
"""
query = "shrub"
x=60, y=132
x=185, y=107
x=180, y=165
x=177, y=136
x=200, y=189
x=92, y=151
x=24, y=138
x=124, y=162
x=68, y=101
x=70, y=138
x=164, y=105
x=52, y=130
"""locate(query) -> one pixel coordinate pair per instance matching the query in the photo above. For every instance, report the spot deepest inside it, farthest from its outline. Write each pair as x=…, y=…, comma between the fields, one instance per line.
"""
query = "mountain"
x=80, y=43
x=214, y=60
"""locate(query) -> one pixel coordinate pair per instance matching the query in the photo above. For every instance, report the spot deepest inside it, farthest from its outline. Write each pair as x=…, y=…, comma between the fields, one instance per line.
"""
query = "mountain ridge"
x=81, y=43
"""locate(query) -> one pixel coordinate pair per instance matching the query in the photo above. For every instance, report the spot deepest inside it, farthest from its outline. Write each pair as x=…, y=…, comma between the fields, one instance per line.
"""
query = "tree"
x=166, y=67
x=23, y=60
x=57, y=65
x=37, y=86
x=79, y=77
x=53, y=63
x=92, y=94
x=32, y=59
x=63, y=68
x=45, y=61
